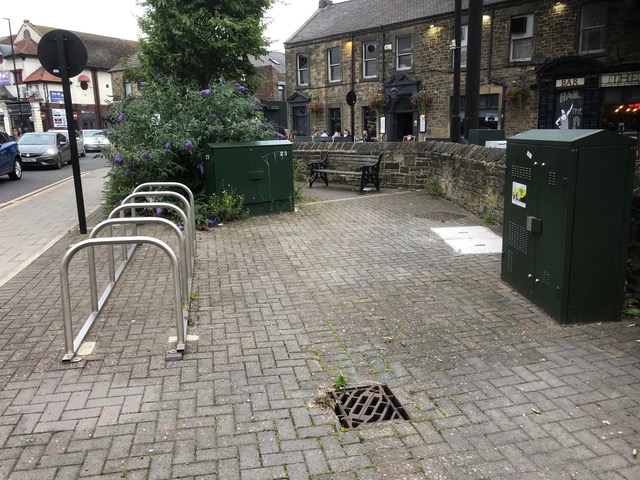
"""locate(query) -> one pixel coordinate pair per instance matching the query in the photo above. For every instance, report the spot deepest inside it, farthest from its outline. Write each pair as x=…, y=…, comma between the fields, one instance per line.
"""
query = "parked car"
x=79, y=140
x=10, y=163
x=45, y=149
x=95, y=140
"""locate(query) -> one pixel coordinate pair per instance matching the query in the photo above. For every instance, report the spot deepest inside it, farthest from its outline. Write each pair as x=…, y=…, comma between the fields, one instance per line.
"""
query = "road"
x=37, y=179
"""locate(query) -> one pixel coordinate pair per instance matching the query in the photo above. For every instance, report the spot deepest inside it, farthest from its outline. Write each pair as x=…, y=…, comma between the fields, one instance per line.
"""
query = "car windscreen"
x=37, y=140
x=93, y=133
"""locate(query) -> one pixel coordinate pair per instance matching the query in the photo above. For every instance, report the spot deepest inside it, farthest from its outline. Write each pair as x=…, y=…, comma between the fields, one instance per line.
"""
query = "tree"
x=202, y=41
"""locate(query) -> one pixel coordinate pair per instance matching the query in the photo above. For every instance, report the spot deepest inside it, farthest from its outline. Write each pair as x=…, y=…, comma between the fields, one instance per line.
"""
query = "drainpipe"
x=96, y=96
x=353, y=107
x=493, y=80
x=457, y=36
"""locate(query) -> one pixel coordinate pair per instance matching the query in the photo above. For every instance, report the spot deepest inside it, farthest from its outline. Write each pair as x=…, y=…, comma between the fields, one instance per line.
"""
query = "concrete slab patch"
x=86, y=349
x=470, y=240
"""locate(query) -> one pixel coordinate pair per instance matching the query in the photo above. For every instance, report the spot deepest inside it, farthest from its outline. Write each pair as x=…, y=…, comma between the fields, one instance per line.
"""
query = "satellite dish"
x=538, y=58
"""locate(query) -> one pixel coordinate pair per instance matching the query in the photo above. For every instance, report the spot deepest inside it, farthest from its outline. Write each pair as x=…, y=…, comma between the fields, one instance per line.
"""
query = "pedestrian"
x=365, y=136
x=347, y=133
x=324, y=134
x=16, y=134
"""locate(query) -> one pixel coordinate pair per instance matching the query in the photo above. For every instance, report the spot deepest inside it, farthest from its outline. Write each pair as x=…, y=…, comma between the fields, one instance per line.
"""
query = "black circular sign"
x=75, y=52
x=351, y=98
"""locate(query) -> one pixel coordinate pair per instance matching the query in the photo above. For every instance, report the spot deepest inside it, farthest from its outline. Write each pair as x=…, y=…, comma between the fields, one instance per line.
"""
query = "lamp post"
x=15, y=72
x=455, y=46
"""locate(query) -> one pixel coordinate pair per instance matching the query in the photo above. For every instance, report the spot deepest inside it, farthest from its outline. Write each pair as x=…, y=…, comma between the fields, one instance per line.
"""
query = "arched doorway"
x=402, y=119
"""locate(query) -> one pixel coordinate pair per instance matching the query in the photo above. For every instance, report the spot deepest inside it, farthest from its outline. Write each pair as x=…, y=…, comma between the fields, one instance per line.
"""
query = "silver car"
x=79, y=140
x=45, y=149
x=95, y=140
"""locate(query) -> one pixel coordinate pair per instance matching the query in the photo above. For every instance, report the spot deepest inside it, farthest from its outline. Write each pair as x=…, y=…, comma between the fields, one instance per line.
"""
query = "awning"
x=83, y=78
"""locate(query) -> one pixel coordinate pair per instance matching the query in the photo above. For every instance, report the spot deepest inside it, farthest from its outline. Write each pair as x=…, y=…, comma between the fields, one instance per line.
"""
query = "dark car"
x=45, y=149
x=10, y=163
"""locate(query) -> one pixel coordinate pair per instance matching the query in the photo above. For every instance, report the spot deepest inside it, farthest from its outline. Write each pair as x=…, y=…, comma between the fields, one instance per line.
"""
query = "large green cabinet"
x=260, y=171
x=566, y=221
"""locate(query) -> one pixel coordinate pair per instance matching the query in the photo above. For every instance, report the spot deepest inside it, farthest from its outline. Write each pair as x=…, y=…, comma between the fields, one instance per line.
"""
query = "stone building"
x=576, y=65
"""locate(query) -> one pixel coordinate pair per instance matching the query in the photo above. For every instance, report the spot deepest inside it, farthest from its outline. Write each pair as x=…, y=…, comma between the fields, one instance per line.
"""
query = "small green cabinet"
x=566, y=221
x=260, y=171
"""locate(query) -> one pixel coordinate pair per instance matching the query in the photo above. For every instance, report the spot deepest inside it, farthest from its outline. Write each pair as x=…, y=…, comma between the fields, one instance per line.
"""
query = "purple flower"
x=212, y=221
x=200, y=168
x=145, y=155
x=121, y=117
x=263, y=128
x=188, y=145
x=181, y=227
x=240, y=88
x=206, y=92
x=117, y=160
x=280, y=136
x=159, y=211
x=168, y=144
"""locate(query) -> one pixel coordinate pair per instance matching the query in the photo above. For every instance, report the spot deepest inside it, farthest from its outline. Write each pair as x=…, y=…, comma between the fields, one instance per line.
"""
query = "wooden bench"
x=364, y=166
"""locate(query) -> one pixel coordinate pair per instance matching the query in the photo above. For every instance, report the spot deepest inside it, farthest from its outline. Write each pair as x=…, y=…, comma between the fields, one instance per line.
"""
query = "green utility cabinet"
x=566, y=221
x=260, y=171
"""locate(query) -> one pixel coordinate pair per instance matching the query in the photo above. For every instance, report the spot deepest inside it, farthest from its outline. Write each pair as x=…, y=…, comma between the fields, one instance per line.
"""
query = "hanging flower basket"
x=378, y=103
x=316, y=107
x=421, y=101
x=517, y=93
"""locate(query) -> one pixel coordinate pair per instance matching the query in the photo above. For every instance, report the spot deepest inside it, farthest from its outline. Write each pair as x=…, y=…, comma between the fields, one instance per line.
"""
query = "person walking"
x=16, y=134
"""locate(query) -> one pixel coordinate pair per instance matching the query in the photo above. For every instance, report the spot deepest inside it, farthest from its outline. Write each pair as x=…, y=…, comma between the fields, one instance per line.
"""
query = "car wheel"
x=17, y=170
x=59, y=162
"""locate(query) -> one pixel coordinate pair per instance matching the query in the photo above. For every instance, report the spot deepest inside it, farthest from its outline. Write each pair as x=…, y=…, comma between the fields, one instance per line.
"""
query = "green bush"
x=161, y=136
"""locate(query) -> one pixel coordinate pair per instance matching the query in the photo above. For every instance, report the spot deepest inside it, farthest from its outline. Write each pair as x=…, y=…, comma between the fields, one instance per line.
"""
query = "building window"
x=17, y=75
x=403, y=55
x=592, y=29
x=369, y=60
x=303, y=70
x=521, y=38
x=464, y=32
x=369, y=122
x=333, y=60
x=281, y=92
x=127, y=89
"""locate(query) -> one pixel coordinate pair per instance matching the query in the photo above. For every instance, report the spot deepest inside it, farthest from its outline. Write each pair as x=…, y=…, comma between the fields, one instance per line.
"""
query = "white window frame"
x=464, y=36
x=594, y=10
x=369, y=59
x=300, y=69
x=527, y=35
x=399, y=55
x=334, y=66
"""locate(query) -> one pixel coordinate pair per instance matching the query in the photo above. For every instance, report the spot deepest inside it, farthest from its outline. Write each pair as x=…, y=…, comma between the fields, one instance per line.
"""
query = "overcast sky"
x=117, y=18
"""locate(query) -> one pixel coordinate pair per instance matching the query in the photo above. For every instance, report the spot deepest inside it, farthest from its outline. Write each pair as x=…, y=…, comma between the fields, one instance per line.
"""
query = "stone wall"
x=470, y=175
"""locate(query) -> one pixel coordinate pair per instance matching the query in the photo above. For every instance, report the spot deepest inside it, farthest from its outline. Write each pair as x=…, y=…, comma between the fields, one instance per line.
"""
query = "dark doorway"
x=402, y=119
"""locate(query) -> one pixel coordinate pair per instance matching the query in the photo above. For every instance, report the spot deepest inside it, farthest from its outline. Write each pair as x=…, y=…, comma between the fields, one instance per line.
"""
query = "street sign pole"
x=63, y=54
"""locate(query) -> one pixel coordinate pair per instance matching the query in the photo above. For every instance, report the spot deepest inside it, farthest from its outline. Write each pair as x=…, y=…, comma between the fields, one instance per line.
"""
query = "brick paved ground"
x=359, y=285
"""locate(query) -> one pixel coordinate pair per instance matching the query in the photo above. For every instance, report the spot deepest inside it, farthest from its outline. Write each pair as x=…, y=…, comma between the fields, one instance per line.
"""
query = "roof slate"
x=41, y=75
x=271, y=59
x=103, y=52
x=357, y=15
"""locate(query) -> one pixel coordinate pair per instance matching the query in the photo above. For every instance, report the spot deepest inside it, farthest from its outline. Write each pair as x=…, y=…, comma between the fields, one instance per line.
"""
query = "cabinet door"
x=520, y=202
x=550, y=243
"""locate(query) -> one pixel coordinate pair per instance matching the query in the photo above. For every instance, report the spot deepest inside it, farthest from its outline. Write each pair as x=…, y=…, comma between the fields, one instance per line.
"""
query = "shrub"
x=161, y=136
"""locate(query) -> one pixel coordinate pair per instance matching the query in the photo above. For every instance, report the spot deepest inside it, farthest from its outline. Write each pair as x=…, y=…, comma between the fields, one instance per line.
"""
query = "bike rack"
x=114, y=274
x=189, y=211
x=162, y=185
x=182, y=269
x=170, y=206
x=72, y=344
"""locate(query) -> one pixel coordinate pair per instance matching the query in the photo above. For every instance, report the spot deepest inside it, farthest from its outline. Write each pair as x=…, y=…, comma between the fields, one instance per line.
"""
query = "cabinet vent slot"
x=518, y=237
x=509, y=261
x=518, y=171
x=552, y=178
x=546, y=278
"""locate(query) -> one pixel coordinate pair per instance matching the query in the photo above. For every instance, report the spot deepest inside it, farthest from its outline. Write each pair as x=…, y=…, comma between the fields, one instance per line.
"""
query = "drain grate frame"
x=441, y=216
x=368, y=404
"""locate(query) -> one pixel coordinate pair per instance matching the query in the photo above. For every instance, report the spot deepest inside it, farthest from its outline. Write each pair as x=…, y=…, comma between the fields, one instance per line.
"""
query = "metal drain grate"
x=441, y=216
x=370, y=404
